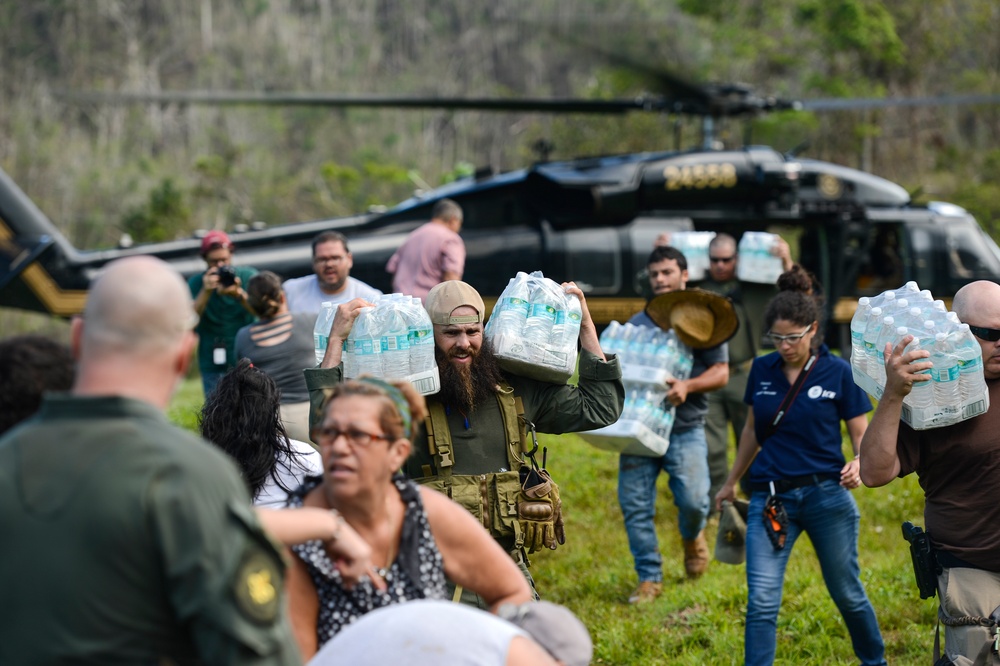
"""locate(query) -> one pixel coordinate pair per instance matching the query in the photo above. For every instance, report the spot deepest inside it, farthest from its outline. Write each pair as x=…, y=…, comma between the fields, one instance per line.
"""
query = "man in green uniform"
x=726, y=406
x=480, y=422
x=126, y=539
x=221, y=303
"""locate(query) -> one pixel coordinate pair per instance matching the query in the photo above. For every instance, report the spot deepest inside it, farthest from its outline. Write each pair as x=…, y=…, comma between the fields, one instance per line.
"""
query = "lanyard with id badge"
x=774, y=515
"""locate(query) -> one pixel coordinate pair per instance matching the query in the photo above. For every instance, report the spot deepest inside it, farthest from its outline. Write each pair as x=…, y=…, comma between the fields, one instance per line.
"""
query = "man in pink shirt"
x=432, y=253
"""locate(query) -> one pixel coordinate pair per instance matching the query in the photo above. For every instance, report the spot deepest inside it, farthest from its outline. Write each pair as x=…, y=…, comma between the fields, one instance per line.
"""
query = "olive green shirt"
x=127, y=540
x=478, y=438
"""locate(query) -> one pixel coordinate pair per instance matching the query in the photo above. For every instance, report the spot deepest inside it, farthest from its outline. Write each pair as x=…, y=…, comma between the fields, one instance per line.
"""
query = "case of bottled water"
x=534, y=328
x=694, y=246
x=956, y=389
x=757, y=264
x=649, y=357
x=393, y=339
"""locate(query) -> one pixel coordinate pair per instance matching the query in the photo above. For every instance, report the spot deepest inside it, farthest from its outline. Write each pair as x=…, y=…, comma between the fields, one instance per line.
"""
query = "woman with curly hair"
x=242, y=417
x=799, y=479
x=280, y=344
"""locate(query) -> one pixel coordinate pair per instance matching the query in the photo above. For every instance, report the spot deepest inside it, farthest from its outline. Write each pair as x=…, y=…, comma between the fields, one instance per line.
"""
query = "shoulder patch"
x=256, y=587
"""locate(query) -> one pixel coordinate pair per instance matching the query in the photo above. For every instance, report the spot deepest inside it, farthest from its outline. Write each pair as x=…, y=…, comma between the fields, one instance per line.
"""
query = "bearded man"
x=480, y=423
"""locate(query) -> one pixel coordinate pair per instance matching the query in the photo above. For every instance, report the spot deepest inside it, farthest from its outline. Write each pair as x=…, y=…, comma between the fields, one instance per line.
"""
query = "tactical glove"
x=540, y=512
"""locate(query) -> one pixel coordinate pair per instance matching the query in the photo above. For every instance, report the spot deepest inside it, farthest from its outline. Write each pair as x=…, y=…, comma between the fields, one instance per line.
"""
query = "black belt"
x=783, y=485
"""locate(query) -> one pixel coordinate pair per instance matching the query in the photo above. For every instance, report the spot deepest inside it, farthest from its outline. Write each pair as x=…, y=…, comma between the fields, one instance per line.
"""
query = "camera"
x=227, y=276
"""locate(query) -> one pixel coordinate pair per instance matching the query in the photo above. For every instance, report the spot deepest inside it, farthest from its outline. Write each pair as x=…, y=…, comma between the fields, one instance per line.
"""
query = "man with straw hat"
x=702, y=321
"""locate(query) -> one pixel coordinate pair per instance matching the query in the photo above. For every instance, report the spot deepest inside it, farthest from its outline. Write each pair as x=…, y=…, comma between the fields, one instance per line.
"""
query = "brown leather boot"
x=646, y=592
x=696, y=556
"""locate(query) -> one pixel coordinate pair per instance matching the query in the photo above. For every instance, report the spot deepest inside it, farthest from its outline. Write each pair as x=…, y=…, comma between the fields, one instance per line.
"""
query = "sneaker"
x=647, y=591
x=696, y=556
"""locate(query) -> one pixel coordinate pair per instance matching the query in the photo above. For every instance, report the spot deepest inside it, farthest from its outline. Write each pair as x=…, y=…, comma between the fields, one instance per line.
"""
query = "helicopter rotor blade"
x=855, y=104
x=235, y=98
x=716, y=100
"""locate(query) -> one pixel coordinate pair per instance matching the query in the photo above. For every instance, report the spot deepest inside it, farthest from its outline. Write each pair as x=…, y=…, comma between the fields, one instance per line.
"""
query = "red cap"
x=214, y=240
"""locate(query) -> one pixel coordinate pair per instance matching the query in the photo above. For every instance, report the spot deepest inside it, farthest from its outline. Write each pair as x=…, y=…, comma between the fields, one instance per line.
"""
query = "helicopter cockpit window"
x=593, y=260
x=969, y=255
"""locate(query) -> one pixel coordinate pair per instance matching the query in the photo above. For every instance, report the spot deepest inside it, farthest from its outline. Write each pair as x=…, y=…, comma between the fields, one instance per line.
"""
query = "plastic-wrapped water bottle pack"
x=649, y=357
x=956, y=390
x=534, y=328
x=757, y=264
x=394, y=339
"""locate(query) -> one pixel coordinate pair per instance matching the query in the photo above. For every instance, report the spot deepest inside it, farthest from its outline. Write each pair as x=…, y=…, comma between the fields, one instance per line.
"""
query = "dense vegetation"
x=157, y=171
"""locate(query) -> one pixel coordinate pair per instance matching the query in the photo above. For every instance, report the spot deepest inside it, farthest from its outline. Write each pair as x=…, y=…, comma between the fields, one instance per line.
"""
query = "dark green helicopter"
x=591, y=220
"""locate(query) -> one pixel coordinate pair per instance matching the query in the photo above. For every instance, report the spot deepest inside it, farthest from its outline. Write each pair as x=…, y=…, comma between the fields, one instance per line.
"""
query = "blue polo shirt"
x=808, y=439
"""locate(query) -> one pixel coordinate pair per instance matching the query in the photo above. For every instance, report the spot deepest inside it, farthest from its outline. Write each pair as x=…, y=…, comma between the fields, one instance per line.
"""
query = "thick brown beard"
x=465, y=386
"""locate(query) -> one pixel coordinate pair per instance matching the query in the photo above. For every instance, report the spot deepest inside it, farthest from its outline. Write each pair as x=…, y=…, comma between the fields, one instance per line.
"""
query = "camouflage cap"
x=442, y=300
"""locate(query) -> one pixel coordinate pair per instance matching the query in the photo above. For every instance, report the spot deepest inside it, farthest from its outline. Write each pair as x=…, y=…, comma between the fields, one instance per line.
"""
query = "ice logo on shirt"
x=818, y=392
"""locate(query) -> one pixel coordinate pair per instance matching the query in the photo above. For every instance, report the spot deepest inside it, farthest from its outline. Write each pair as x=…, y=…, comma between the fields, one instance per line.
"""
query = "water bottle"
x=394, y=339
x=886, y=335
x=872, y=330
x=421, y=337
x=541, y=314
x=888, y=302
x=913, y=318
x=625, y=344
x=664, y=356
x=922, y=394
x=365, y=344
x=611, y=337
x=858, y=321
x=972, y=384
x=567, y=331
x=640, y=346
x=947, y=394
x=321, y=331
x=512, y=309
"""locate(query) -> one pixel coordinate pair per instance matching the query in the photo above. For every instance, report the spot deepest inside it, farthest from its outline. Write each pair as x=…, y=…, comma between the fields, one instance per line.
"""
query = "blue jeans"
x=686, y=462
x=828, y=514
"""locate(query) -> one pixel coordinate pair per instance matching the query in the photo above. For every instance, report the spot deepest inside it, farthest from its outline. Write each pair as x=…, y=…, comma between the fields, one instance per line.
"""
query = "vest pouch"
x=467, y=491
x=505, y=490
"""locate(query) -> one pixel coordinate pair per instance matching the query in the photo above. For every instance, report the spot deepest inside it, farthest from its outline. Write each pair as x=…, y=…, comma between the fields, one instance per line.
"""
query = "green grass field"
x=696, y=623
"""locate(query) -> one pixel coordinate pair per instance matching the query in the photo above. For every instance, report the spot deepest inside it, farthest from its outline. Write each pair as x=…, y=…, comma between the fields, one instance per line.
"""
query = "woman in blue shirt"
x=799, y=465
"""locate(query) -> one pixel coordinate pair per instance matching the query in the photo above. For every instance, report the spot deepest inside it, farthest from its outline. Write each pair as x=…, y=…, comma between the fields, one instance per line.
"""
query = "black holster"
x=925, y=564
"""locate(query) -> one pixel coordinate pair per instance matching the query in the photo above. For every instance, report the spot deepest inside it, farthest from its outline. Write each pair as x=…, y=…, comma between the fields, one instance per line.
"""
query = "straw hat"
x=700, y=318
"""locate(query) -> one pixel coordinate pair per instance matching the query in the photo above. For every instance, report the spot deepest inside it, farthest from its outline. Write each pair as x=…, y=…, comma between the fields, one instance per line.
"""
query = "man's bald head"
x=138, y=305
x=977, y=302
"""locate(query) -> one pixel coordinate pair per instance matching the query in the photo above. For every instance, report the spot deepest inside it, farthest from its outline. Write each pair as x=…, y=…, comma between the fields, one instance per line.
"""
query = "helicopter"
x=589, y=220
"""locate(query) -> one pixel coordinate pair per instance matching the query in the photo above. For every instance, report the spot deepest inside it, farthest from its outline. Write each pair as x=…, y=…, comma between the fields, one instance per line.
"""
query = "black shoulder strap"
x=786, y=404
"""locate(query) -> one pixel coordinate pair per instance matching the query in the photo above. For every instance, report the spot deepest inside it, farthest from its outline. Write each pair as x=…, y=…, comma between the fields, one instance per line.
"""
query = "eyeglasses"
x=791, y=339
x=985, y=334
x=355, y=437
x=721, y=260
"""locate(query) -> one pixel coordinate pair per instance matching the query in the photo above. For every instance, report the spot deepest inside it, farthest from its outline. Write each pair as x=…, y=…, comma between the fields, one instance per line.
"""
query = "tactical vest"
x=492, y=497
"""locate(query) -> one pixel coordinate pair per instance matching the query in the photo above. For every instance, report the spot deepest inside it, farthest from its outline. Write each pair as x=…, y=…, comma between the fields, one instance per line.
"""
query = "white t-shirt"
x=421, y=633
x=304, y=294
x=307, y=463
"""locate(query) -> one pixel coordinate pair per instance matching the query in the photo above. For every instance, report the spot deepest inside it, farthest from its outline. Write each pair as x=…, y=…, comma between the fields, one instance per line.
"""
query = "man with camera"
x=958, y=467
x=221, y=304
